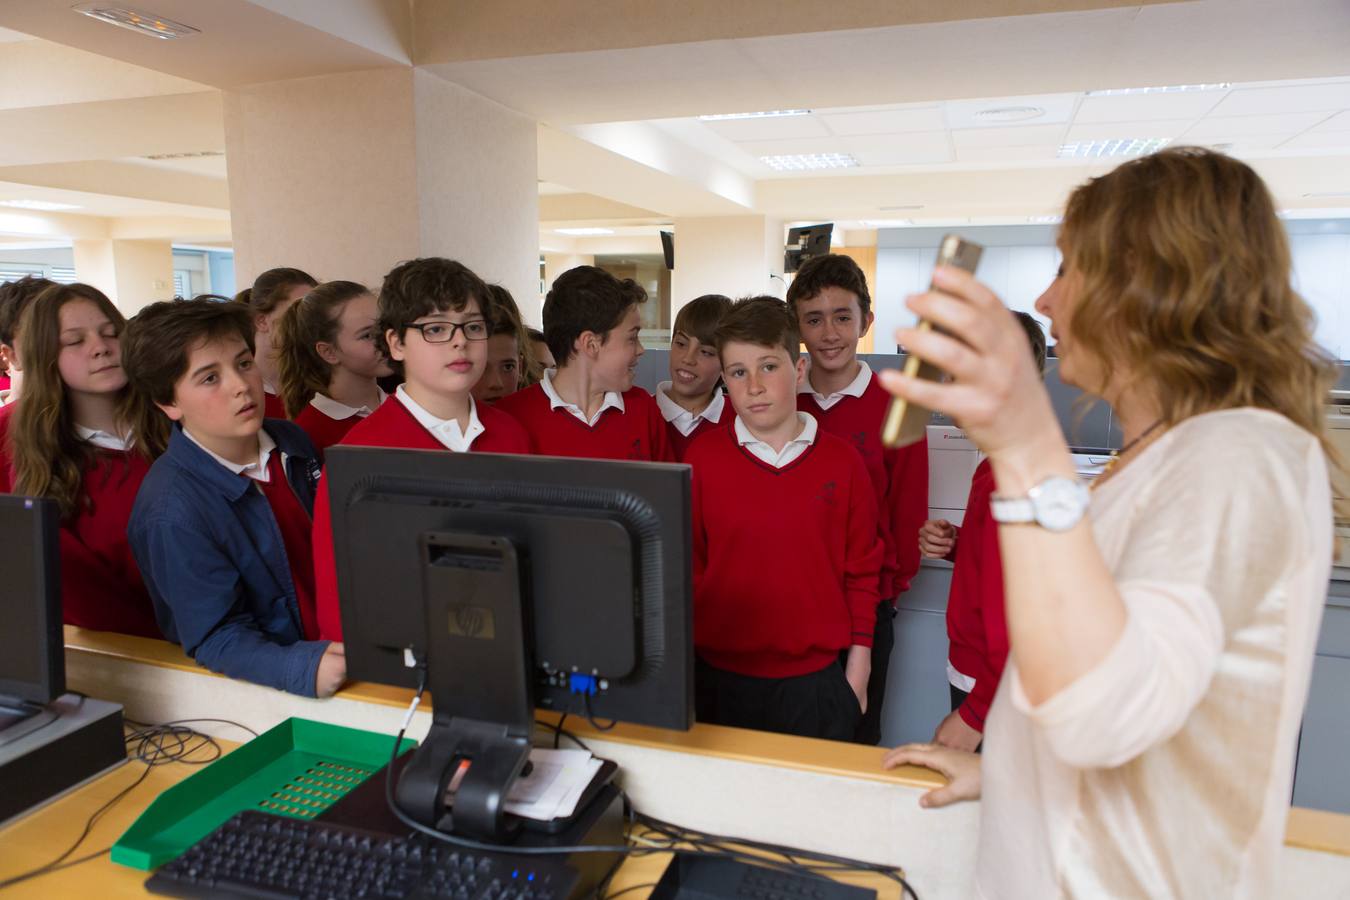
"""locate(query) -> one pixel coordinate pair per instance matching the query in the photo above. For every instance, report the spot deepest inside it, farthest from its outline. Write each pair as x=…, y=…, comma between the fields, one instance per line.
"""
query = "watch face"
x=1060, y=503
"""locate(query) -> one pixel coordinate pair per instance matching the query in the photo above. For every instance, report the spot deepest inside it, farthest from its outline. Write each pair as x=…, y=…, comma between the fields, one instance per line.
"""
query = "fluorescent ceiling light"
x=902, y=207
x=1113, y=148
x=1044, y=220
x=1169, y=89
x=797, y=162
x=139, y=21
x=1327, y=195
x=581, y=232
x=886, y=223
x=765, y=114
x=41, y=205
x=192, y=154
x=1010, y=113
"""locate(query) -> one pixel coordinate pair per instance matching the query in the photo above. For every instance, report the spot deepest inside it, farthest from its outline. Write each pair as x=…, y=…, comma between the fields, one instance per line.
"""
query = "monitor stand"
x=20, y=717
x=480, y=671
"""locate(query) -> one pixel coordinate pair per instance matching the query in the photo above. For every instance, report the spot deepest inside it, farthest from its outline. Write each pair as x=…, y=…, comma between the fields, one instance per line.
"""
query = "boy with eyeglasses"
x=434, y=323
x=588, y=405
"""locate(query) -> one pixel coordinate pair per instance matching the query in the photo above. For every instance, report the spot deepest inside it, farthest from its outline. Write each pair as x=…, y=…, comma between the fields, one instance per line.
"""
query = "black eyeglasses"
x=444, y=332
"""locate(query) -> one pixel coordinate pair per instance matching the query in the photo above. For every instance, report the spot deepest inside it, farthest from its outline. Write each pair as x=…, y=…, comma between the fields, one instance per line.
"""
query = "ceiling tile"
x=1294, y=98
x=887, y=121
x=1009, y=155
x=794, y=146
x=1137, y=107
x=1225, y=127
x=1057, y=108
x=900, y=149
x=1110, y=131
x=768, y=128
x=1338, y=122
x=1319, y=140
x=1020, y=136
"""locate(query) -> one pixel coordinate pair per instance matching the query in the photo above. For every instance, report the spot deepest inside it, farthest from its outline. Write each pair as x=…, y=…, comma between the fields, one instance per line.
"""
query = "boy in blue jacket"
x=221, y=525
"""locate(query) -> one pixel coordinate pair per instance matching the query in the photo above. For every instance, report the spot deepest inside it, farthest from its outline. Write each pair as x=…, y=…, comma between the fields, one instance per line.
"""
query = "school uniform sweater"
x=717, y=414
x=785, y=560
x=323, y=429
x=392, y=425
x=899, y=477
x=638, y=432
x=273, y=406
x=977, y=625
x=101, y=586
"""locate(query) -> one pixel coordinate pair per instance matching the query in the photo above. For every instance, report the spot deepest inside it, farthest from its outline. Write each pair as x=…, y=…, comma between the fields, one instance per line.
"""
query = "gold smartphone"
x=907, y=422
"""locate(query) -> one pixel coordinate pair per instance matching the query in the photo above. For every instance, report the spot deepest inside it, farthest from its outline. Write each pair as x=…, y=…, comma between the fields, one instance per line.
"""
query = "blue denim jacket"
x=212, y=557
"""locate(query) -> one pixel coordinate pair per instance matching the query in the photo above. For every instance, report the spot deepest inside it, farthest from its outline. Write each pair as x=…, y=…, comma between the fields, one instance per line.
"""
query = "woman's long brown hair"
x=1185, y=284
x=49, y=457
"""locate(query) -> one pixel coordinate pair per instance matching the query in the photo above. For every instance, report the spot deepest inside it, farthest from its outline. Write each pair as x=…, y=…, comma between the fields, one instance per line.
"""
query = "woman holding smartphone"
x=1162, y=625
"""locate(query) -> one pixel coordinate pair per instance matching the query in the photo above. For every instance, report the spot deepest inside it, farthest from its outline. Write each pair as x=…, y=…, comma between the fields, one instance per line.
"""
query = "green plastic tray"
x=297, y=769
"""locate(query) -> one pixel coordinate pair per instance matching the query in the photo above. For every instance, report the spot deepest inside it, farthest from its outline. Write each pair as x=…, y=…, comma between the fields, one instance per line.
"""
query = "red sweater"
x=785, y=560
x=977, y=625
x=273, y=406
x=101, y=586
x=639, y=432
x=899, y=477
x=323, y=430
x=679, y=443
x=392, y=425
x=296, y=528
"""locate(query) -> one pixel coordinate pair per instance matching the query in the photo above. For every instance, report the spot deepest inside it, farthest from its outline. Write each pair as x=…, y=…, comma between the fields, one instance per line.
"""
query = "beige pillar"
x=133, y=273
x=348, y=175
x=733, y=255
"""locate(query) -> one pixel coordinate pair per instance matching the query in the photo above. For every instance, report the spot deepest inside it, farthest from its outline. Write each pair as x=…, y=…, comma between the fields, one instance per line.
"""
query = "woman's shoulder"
x=1243, y=436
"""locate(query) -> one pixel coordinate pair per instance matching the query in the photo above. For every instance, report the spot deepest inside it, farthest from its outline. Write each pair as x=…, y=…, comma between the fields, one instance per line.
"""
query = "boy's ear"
x=327, y=352
x=588, y=343
x=171, y=410
x=867, y=322
x=801, y=370
x=260, y=324
x=395, y=344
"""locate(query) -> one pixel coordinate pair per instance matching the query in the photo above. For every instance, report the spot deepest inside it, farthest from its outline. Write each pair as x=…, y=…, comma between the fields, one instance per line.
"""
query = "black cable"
x=590, y=716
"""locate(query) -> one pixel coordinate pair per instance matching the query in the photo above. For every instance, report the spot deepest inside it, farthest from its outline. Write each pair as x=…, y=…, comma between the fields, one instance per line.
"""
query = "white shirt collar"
x=684, y=421
x=791, y=450
x=335, y=410
x=444, y=430
x=612, y=400
x=855, y=388
x=255, y=470
x=103, y=439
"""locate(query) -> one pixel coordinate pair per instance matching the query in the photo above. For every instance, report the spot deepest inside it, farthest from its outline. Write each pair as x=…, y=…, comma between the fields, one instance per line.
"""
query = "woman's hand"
x=995, y=393
x=961, y=769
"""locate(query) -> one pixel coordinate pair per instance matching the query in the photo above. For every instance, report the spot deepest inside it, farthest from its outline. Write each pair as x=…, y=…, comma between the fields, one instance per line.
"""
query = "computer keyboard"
x=259, y=855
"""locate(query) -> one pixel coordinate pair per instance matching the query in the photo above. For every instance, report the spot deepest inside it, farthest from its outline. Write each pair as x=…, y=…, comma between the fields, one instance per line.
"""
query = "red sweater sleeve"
x=327, y=609
x=991, y=620
x=907, y=506
x=863, y=555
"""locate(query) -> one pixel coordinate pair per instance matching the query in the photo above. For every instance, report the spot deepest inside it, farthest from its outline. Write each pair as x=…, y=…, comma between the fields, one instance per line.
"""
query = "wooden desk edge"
x=1308, y=829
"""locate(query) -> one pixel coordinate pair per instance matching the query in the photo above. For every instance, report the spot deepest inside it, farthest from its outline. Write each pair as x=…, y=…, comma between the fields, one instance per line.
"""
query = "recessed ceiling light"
x=41, y=205
x=764, y=114
x=797, y=162
x=139, y=21
x=1044, y=220
x=1112, y=148
x=582, y=232
x=886, y=223
x=1168, y=89
x=1010, y=113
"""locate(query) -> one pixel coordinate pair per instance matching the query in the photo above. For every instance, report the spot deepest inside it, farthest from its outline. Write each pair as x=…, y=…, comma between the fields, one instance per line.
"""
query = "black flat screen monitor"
x=32, y=650
x=599, y=550
x=668, y=248
x=806, y=242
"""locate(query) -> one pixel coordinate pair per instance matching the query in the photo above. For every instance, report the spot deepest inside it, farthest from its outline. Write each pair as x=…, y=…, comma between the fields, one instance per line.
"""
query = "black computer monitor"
x=32, y=651
x=668, y=248
x=806, y=242
x=522, y=582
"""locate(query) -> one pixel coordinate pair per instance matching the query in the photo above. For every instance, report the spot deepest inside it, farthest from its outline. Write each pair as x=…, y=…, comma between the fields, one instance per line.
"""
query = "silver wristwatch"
x=1056, y=504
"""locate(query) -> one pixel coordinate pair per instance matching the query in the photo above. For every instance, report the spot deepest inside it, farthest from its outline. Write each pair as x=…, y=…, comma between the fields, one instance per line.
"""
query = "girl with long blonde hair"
x=70, y=439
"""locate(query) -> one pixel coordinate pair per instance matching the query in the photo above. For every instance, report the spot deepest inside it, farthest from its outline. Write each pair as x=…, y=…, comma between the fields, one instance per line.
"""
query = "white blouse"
x=1166, y=770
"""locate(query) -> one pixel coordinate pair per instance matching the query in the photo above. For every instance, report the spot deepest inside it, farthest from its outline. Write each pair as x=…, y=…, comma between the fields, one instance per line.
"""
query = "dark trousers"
x=819, y=704
x=883, y=642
